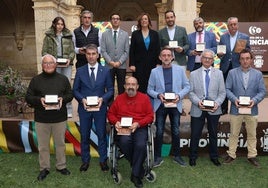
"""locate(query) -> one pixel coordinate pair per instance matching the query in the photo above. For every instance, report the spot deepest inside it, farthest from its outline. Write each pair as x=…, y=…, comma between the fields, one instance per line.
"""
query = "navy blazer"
x=82, y=86
x=211, y=43
x=231, y=56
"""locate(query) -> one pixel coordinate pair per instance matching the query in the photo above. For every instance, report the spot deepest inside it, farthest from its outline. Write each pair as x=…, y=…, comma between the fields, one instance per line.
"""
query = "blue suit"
x=235, y=87
x=82, y=88
x=231, y=57
x=211, y=43
x=156, y=86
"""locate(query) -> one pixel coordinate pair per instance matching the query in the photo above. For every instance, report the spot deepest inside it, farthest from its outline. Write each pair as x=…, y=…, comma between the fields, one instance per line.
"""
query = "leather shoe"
x=43, y=174
x=216, y=162
x=137, y=181
x=84, y=167
x=104, y=166
x=64, y=171
x=254, y=162
x=192, y=162
x=228, y=160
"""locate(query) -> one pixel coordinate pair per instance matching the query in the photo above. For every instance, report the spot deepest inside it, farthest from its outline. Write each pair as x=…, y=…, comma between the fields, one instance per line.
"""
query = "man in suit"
x=234, y=42
x=199, y=36
x=115, y=50
x=84, y=35
x=175, y=33
x=93, y=80
x=244, y=82
x=207, y=86
x=168, y=79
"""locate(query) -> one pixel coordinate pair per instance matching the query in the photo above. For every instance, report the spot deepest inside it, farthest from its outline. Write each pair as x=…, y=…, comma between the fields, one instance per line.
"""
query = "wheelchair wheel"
x=151, y=176
x=117, y=178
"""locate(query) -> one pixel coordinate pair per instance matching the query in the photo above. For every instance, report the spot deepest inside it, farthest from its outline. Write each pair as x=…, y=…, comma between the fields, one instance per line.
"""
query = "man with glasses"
x=48, y=93
x=84, y=35
x=207, y=93
x=115, y=49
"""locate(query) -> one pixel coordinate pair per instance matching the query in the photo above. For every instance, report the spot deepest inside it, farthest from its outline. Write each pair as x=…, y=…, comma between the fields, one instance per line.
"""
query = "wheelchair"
x=115, y=155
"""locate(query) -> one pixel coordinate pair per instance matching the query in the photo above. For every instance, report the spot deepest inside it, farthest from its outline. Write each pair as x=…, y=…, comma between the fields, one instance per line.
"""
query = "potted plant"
x=12, y=91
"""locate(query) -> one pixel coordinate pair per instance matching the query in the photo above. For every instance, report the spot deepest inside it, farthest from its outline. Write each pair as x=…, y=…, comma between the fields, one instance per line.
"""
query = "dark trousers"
x=174, y=116
x=120, y=75
x=86, y=121
x=197, y=124
x=134, y=148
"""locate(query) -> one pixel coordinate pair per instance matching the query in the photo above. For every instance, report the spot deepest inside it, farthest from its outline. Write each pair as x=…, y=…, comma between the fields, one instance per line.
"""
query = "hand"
x=117, y=64
x=118, y=126
x=195, y=53
x=179, y=49
x=82, y=51
x=100, y=102
x=132, y=68
x=200, y=105
x=134, y=127
x=68, y=62
x=60, y=99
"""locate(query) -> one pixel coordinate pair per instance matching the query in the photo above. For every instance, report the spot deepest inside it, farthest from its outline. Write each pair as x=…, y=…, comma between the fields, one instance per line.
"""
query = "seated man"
x=135, y=107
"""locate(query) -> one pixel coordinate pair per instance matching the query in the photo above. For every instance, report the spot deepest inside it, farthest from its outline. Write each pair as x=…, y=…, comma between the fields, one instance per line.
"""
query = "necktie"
x=207, y=80
x=92, y=76
x=199, y=37
x=115, y=37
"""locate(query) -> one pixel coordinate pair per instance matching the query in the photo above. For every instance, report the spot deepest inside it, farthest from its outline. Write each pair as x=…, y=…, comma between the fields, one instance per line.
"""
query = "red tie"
x=199, y=37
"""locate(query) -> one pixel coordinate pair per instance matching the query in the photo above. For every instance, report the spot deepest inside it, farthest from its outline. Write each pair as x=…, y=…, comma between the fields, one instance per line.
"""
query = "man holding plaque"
x=130, y=113
x=198, y=41
x=245, y=89
x=228, y=50
x=167, y=86
x=48, y=93
x=92, y=89
x=206, y=94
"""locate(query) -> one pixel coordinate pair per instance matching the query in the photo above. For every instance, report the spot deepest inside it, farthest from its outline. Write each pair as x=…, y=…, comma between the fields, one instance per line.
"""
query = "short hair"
x=131, y=77
x=87, y=12
x=246, y=50
x=208, y=51
x=55, y=21
x=168, y=11
x=198, y=19
x=115, y=13
x=232, y=18
x=166, y=48
x=140, y=17
x=48, y=56
x=92, y=47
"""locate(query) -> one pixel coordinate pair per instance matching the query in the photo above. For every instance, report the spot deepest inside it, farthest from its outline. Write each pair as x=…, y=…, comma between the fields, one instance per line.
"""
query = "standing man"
x=50, y=121
x=136, y=105
x=176, y=33
x=168, y=79
x=200, y=36
x=247, y=83
x=84, y=35
x=234, y=41
x=115, y=50
x=93, y=81
x=206, y=84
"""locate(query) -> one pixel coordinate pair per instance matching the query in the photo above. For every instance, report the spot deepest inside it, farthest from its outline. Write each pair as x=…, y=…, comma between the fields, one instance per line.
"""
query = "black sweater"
x=49, y=84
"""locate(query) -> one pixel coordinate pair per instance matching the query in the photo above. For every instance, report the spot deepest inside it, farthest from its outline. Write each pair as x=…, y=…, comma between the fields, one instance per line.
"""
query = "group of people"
x=159, y=83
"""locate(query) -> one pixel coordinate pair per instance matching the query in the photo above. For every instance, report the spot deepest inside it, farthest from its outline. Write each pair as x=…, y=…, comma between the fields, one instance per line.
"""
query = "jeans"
x=174, y=116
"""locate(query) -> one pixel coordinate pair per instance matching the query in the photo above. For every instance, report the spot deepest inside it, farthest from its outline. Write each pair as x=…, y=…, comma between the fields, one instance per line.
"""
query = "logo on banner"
x=264, y=140
x=253, y=30
x=258, y=61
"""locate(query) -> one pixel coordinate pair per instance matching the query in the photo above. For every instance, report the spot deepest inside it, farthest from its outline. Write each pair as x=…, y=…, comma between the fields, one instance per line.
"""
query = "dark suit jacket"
x=211, y=43
x=144, y=60
x=180, y=36
x=231, y=56
x=82, y=86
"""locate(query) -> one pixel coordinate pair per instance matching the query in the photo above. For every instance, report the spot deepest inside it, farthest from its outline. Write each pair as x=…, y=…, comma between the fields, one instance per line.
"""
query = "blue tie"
x=207, y=80
x=92, y=76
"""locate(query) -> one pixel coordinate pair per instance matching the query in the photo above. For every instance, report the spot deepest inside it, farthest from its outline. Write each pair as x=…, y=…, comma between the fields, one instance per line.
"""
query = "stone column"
x=161, y=9
x=45, y=11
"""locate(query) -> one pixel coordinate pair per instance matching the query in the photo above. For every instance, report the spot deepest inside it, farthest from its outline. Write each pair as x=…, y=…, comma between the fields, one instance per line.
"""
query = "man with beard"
x=137, y=107
x=167, y=86
x=199, y=37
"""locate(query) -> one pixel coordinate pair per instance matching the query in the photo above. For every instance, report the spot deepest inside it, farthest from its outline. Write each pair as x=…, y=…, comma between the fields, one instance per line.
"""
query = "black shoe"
x=228, y=160
x=84, y=167
x=104, y=166
x=254, y=162
x=192, y=162
x=216, y=162
x=43, y=174
x=137, y=181
x=64, y=171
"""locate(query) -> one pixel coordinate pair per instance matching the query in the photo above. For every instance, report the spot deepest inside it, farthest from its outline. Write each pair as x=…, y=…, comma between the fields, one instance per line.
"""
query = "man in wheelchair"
x=130, y=113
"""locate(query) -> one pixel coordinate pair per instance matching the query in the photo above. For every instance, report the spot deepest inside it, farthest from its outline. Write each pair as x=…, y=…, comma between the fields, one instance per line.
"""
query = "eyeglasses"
x=208, y=58
x=87, y=17
x=48, y=63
